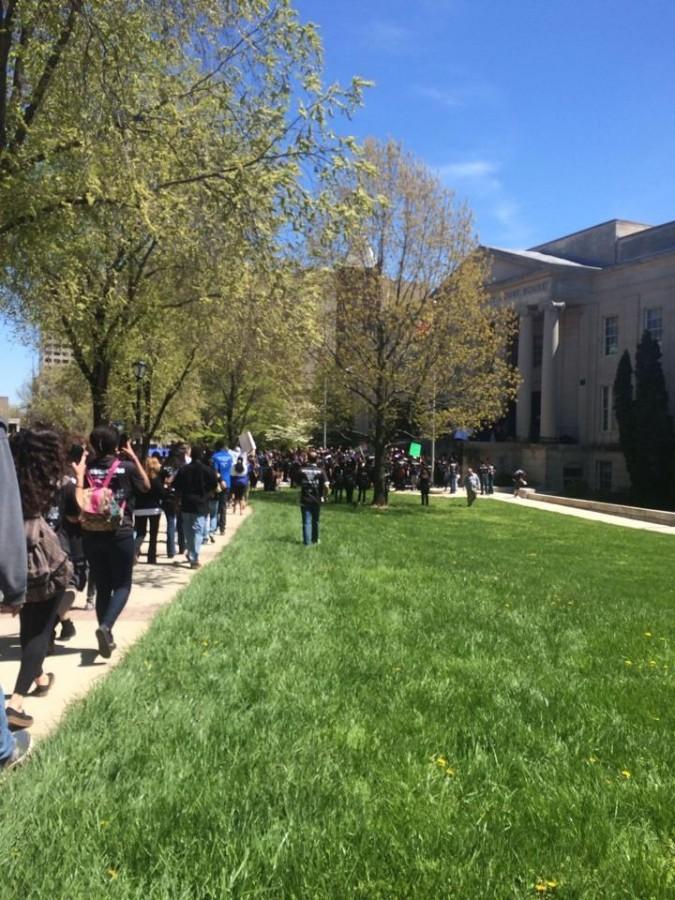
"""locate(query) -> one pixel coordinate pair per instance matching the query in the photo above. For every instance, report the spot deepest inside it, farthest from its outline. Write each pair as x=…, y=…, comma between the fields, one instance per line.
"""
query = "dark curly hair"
x=40, y=465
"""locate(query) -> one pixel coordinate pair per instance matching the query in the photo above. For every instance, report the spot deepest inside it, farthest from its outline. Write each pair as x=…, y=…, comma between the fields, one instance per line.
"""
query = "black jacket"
x=194, y=486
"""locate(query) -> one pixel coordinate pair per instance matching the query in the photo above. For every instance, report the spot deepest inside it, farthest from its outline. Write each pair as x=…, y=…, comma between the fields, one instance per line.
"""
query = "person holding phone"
x=109, y=547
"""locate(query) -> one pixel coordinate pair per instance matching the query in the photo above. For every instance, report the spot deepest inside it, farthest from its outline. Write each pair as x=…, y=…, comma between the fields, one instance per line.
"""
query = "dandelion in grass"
x=625, y=774
x=112, y=874
x=545, y=885
x=628, y=662
x=593, y=758
x=648, y=634
x=652, y=664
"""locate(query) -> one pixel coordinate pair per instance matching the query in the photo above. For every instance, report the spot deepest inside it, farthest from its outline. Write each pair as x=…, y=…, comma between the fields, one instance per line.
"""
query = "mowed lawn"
x=442, y=702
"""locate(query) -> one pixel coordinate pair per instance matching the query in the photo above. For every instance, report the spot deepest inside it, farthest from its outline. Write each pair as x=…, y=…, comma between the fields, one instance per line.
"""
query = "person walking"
x=194, y=486
x=313, y=490
x=424, y=485
x=222, y=463
x=13, y=576
x=148, y=510
x=170, y=504
x=472, y=485
x=239, y=485
x=107, y=484
x=39, y=463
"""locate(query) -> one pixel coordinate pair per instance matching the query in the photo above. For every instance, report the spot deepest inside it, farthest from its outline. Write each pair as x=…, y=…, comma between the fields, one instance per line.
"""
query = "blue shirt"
x=222, y=463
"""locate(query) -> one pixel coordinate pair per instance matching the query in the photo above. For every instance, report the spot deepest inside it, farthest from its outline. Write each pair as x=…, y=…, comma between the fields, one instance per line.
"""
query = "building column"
x=549, y=418
x=524, y=399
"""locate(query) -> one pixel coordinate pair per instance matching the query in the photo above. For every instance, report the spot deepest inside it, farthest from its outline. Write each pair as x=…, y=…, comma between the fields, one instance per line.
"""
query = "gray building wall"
x=616, y=269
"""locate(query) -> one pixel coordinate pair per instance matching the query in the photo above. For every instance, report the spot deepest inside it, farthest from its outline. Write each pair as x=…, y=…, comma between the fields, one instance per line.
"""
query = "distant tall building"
x=54, y=352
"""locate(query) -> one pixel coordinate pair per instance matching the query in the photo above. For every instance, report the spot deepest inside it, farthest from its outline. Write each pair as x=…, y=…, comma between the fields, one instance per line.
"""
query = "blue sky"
x=546, y=117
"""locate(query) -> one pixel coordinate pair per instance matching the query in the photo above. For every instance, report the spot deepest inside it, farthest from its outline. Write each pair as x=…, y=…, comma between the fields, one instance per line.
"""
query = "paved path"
x=75, y=663
x=568, y=511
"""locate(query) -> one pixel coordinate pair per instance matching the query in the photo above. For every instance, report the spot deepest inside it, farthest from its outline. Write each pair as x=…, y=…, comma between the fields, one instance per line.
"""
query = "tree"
x=411, y=316
x=255, y=377
x=653, y=424
x=141, y=142
x=646, y=430
x=624, y=411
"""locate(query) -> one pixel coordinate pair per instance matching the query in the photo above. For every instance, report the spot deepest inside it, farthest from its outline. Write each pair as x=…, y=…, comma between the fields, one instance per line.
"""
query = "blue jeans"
x=6, y=739
x=310, y=524
x=196, y=531
x=111, y=561
x=170, y=533
x=213, y=515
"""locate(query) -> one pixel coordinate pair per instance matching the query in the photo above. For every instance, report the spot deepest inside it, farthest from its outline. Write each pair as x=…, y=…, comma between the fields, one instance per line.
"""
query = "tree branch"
x=44, y=81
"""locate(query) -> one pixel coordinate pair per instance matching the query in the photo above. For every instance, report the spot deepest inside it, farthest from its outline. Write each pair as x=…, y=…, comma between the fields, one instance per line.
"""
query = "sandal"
x=41, y=690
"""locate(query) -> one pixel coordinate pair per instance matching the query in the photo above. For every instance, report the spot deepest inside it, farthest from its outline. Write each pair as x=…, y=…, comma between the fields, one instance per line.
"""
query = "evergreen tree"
x=654, y=434
x=624, y=411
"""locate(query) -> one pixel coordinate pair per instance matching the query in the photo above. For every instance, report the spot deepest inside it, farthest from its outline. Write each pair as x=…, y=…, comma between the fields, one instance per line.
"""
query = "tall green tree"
x=624, y=411
x=141, y=142
x=646, y=431
x=653, y=424
x=410, y=314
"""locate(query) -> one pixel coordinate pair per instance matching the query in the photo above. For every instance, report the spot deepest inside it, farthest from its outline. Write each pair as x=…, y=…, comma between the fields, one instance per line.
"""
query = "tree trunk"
x=380, y=497
x=99, y=384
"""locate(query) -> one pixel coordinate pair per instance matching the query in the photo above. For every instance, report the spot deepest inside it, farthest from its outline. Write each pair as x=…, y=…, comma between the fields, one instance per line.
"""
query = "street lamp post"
x=433, y=433
x=139, y=371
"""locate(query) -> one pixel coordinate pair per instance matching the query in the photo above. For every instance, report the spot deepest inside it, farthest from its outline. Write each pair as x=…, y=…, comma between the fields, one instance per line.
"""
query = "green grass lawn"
x=450, y=702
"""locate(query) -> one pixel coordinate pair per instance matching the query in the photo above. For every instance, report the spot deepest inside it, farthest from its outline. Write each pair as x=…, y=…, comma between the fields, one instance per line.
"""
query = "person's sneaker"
x=67, y=630
x=195, y=565
x=212, y=538
x=18, y=755
x=89, y=605
x=106, y=644
x=18, y=718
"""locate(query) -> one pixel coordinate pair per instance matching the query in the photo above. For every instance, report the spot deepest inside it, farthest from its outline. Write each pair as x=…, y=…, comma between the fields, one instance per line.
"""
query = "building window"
x=603, y=475
x=653, y=322
x=611, y=337
x=537, y=348
x=606, y=411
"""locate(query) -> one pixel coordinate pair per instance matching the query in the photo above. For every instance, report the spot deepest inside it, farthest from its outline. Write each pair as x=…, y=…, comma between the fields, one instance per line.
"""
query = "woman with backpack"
x=106, y=488
x=39, y=464
x=239, y=485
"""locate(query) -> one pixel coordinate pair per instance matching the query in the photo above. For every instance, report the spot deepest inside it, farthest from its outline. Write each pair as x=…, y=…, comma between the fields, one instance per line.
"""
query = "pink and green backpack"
x=100, y=509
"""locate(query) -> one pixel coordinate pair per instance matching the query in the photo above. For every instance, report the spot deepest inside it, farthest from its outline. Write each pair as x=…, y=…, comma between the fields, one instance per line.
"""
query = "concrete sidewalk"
x=76, y=663
x=588, y=514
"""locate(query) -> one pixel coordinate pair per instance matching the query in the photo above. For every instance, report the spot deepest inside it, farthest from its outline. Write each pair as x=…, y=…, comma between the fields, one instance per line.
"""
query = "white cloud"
x=466, y=93
x=387, y=37
x=475, y=168
x=496, y=211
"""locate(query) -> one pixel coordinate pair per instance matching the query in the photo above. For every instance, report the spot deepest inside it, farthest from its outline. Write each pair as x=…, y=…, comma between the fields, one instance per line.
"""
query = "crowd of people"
x=75, y=514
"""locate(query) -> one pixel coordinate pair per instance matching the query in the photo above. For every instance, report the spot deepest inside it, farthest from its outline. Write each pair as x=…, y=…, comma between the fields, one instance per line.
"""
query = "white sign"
x=246, y=442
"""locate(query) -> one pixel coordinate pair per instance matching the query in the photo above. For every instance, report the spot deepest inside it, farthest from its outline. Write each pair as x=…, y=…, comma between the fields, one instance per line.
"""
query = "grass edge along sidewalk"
x=75, y=664
x=443, y=702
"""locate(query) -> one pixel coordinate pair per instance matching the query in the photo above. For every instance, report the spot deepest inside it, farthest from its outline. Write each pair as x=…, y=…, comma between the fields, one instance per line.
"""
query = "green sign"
x=415, y=450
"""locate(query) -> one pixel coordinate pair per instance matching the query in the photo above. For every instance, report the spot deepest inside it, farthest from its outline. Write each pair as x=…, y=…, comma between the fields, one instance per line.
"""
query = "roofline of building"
x=564, y=237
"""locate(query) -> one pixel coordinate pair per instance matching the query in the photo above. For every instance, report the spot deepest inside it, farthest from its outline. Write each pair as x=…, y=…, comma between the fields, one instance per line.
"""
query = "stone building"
x=581, y=301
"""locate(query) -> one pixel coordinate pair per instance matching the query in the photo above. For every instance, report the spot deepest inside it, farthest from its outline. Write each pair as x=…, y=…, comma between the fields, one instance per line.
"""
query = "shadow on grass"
x=399, y=505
